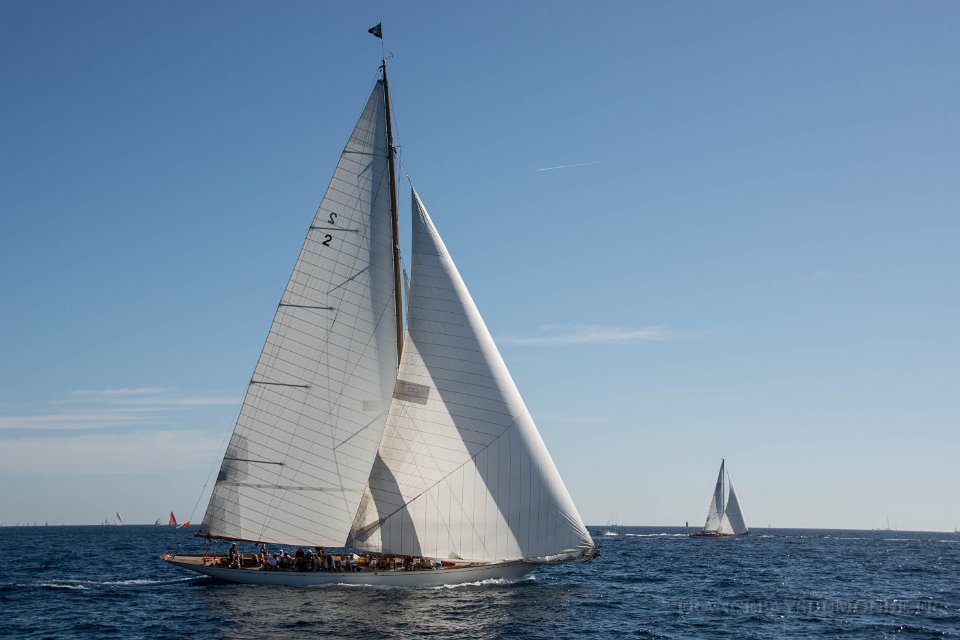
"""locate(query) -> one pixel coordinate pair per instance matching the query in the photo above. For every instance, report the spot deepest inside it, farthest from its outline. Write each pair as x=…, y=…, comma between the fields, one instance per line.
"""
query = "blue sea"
x=107, y=582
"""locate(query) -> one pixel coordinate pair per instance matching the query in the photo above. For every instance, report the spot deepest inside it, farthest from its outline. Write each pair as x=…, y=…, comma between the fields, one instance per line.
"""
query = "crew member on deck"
x=233, y=558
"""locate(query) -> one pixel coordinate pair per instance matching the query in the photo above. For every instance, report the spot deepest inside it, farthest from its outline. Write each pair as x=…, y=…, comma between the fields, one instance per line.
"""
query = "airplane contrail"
x=567, y=166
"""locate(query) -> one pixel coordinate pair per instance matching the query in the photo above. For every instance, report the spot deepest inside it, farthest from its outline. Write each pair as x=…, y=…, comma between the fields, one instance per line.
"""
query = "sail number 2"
x=327, y=237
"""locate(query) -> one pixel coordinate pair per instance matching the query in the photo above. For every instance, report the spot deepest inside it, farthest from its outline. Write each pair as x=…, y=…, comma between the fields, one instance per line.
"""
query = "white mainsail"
x=462, y=471
x=312, y=419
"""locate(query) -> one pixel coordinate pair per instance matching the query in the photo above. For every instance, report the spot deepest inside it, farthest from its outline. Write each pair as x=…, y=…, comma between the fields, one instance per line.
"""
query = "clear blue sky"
x=756, y=257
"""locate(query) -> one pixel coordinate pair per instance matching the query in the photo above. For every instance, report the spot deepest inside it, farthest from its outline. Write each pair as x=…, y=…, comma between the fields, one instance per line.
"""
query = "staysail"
x=307, y=435
x=173, y=520
x=462, y=471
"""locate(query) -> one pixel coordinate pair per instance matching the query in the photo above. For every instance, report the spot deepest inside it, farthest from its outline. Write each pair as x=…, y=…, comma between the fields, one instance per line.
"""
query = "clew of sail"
x=301, y=452
x=462, y=471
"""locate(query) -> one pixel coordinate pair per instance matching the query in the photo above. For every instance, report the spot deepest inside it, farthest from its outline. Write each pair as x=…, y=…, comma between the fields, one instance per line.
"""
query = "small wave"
x=897, y=540
x=487, y=583
x=89, y=584
x=657, y=535
x=145, y=582
x=56, y=585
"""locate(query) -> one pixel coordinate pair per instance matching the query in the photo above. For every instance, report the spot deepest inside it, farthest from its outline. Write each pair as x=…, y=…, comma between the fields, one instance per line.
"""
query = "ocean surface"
x=107, y=582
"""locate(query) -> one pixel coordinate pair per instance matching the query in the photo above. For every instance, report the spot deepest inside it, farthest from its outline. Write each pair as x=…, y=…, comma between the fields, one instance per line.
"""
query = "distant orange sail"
x=185, y=525
x=173, y=521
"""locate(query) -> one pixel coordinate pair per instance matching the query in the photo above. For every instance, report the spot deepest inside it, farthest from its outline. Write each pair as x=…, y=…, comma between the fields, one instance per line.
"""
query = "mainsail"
x=462, y=471
x=311, y=422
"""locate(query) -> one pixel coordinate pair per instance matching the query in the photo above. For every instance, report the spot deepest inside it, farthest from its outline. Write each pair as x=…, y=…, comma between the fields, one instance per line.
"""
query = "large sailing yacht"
x=401, y=449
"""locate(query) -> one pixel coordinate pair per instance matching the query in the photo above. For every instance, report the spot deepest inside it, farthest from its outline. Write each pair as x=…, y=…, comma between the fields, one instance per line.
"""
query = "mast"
x=397, y=299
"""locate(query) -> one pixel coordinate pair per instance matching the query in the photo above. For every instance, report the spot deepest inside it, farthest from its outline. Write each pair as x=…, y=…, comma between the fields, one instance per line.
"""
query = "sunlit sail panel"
x=301, y=452
x=462, y=470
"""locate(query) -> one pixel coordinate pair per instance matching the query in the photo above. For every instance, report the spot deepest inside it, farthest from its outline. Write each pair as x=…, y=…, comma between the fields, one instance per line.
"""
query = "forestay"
x=306, y=437
x=462, y=470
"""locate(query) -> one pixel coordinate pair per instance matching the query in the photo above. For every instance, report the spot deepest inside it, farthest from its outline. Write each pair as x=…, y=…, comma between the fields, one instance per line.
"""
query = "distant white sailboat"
x=724, y=518
x=434, y=463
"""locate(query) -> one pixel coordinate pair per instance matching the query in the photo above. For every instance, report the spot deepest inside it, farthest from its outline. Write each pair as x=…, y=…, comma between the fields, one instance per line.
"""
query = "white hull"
x=511, y=570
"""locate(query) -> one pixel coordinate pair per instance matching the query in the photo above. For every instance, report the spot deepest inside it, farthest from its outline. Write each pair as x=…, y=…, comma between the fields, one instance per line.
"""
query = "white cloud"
x=557, y=335
x=569, y=166
x=116, y=408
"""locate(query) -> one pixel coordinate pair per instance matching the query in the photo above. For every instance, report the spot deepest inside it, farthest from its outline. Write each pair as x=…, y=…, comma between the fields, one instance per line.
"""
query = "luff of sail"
x=307, y=434
x=462, y=470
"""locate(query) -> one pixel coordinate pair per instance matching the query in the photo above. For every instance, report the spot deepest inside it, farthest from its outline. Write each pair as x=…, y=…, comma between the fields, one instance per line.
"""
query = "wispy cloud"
x=74, y=420
x=103, y=409
x=121, y=393
x=569, y=166
x=151, y=397
x=567, y=418
x=559, y=335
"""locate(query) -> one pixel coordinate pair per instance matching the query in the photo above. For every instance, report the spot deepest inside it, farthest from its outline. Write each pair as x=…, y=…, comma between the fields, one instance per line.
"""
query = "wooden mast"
x=398, y=299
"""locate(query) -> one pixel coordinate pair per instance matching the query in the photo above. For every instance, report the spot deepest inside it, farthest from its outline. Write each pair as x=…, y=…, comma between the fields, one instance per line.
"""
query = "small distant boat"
x=157, y=523
x=173, y=520
x=184, y=525
x=724, y=518
x=119, y=519
x=610, y=530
